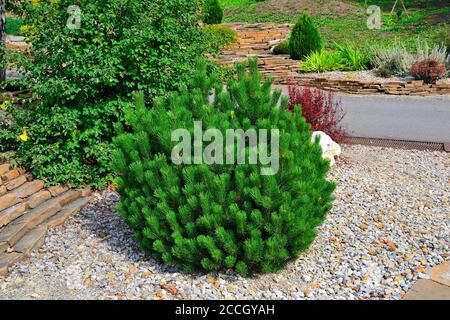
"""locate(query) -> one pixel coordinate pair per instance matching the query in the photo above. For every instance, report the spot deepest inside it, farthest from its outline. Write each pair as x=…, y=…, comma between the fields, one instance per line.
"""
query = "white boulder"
x=330, y=149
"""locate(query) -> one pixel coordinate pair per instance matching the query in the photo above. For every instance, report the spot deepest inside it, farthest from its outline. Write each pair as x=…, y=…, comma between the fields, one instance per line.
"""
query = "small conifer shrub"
x=305, y=38
x=213, y=12
x=217, y=217
x=282, y=47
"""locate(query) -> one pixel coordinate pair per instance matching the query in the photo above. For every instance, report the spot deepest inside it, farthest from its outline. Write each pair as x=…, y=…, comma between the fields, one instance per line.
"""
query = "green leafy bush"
x=83, y=78
x=305, y=38
x=215, y=217
x=281, y=48
x=213, y=13
x=13, y=26
x=322, y=61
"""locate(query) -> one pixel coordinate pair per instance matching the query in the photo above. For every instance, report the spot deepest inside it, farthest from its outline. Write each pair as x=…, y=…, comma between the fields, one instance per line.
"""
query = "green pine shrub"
x=305, y=38
x=282, y=47
x=213, y=13
x=216, y=217
x=83, y=78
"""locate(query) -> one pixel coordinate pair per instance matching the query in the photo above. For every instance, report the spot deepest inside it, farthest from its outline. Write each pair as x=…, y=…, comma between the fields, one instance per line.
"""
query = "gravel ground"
x=369, y=75
x=390, y=222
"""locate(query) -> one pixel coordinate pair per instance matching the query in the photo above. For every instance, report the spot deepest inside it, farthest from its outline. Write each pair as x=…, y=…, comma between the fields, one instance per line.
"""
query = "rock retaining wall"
x=258, y=39
x=28, y=210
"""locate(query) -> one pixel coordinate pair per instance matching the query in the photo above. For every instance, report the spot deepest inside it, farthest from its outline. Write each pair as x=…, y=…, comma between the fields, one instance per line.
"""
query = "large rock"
x=330, y=149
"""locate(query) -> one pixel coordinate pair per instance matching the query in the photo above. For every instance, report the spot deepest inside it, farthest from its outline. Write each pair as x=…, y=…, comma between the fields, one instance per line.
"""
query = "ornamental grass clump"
x=322, y=61
x=221, y=216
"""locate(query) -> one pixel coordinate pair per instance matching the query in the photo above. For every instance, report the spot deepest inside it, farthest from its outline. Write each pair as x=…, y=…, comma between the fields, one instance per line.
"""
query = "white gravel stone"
x=389, y=221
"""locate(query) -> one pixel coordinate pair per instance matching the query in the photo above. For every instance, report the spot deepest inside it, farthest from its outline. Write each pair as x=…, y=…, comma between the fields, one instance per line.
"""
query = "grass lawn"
x=346, y=21
x=13, y=26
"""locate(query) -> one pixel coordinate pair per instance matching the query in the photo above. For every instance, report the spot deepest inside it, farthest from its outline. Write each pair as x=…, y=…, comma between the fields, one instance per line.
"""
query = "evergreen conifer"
x=215, y=217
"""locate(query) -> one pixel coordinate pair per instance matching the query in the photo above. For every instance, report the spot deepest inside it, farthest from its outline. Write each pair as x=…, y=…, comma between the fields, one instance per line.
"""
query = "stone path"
x=411, y=118
x=27, y=210
x=435, y=288
x=258, y=40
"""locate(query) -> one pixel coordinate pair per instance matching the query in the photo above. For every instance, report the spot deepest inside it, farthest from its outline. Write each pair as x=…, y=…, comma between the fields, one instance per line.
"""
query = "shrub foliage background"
x=221, y=216
x=213, y=13
x=82, y=79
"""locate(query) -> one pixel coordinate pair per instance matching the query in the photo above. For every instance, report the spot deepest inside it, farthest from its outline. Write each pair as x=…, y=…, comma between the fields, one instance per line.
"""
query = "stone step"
x=19, y=238
x=66, y=197
x=32, y=240
x=8, y=215
x=66, y=212
x=4, y=168
x=3, y=190
x=16, y=182
x=3, y=246
x=13, y=232
x=29, y=188
x=11, y=174
x=57, y=190
x=38, y=198
x=8, y=259
x=36, y=216
x=8, y=200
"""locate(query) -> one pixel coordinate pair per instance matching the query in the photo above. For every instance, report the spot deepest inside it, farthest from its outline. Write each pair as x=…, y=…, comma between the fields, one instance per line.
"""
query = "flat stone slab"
x=4, y=246
x=15, y=183
x=11, y=174
x=428, y=290
x=13, y=232
x=38, y=215
x=57, y=190
x=7, y=260
x=32, y=240
x=8, y=200
x=38, y=198
x=440, y=273
x=3, y=190
x=4, y=168
x=66, y=212
x=8, y=215
x=29, y=188
x=66, y=197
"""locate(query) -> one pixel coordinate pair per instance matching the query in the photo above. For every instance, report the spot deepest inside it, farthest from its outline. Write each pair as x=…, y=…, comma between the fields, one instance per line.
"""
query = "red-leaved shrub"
x=320, y=109
x=428, y=70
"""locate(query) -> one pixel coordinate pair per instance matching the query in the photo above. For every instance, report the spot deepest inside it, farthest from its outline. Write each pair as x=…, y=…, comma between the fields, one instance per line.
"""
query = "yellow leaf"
x=24, y=136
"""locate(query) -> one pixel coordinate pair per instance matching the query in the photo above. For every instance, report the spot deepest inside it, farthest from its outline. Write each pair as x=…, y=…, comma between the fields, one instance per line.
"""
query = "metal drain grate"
x=400, y=144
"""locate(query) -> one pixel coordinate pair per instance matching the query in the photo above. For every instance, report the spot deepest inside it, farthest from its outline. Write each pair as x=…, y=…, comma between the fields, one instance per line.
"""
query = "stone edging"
x=415, y=87
x=258, y=39
x=28, y=210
